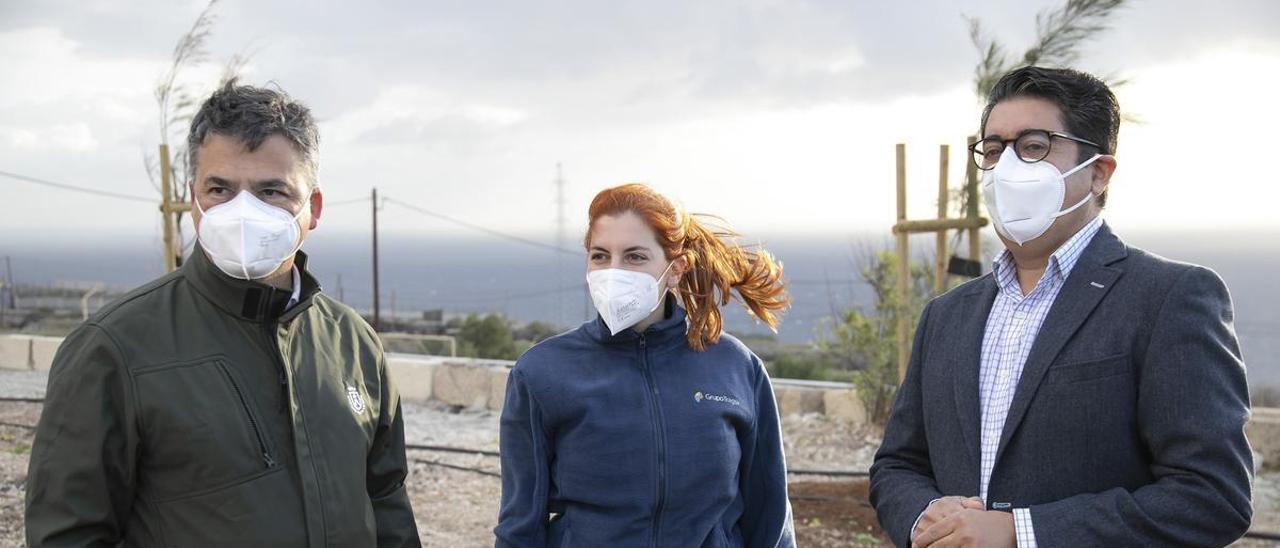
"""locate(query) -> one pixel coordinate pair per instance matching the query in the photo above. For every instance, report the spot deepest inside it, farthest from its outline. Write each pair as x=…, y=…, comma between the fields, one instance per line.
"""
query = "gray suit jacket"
x=1126, y=428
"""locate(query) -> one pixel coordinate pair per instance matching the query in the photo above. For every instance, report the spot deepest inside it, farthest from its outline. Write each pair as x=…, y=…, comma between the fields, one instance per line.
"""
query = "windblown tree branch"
x=178, y=102
x=174, y=98
x=1060, y=33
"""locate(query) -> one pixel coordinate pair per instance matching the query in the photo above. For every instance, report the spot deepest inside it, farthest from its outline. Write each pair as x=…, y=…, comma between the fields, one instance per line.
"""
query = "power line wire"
x=486, y=230
x=345, y=202
x=75, y=188
x=488, y=296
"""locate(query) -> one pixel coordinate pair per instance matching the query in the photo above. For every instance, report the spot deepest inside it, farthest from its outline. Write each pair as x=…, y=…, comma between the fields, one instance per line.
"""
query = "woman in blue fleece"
x=648, y=426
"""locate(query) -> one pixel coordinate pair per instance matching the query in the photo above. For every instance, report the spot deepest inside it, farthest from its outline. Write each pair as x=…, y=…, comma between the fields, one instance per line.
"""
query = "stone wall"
x=27, y=352
x=481, y=384
x=472, y=383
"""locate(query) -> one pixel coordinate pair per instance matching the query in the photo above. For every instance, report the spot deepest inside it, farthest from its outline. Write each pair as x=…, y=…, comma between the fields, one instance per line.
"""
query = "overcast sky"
x=779, y=115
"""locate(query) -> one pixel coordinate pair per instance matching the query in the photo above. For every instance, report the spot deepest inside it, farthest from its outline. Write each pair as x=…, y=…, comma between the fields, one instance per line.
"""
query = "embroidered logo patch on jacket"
x=356, y=399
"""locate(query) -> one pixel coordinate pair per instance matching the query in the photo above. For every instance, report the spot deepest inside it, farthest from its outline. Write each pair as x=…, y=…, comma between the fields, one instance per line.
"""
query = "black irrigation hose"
x=837, y=473
x=1262, y=535
x=796, y=471
x=456, y=467
x=23, y=400
x=18, y=425
x=446, y=449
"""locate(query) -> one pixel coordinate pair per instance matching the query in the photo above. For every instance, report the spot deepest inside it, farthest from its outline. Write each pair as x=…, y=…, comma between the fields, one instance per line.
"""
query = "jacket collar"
x=671, y=328
x=247, y=299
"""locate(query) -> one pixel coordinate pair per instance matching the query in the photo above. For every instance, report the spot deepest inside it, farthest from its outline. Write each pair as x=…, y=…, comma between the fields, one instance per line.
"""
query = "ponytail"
x=717, y=266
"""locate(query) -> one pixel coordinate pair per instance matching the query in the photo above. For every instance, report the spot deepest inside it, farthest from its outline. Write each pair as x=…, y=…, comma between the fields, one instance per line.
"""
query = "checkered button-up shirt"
x=1012, y=325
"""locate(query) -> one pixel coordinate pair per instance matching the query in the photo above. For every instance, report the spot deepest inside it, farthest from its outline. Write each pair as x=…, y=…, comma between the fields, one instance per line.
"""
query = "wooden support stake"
x=934, y=225
x=971, y=187
x=377, y=309
x=904, y=338
x=166, y=198
x=940, y=253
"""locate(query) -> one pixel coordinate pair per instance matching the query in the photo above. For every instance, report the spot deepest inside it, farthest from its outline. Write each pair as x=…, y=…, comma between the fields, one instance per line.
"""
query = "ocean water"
x=482, y=274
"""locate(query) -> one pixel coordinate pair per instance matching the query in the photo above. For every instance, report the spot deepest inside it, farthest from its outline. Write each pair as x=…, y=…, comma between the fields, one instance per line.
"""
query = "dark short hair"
x=1088, y=108
x=252, y=114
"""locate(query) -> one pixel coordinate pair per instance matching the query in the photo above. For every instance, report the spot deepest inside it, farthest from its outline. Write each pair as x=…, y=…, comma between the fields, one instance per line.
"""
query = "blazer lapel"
x=1090, y=280
x=968, y=347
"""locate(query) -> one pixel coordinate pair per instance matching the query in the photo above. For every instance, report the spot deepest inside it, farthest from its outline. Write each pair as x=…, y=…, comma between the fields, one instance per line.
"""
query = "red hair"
x=717, y=264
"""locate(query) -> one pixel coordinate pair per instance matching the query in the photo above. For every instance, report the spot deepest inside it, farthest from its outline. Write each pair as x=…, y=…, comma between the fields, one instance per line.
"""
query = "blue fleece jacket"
x=638, y=440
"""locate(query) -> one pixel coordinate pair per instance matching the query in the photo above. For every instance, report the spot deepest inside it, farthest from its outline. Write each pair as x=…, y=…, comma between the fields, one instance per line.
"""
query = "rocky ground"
x=456, y=495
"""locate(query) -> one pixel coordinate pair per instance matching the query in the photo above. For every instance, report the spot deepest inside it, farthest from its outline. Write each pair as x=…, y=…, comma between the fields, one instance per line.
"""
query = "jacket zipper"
x=283, y=380
x=269, y=331
x=253, y=423
x=659, y=430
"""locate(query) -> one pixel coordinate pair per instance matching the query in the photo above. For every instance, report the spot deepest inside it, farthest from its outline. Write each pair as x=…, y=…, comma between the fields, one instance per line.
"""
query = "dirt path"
x=457, y=507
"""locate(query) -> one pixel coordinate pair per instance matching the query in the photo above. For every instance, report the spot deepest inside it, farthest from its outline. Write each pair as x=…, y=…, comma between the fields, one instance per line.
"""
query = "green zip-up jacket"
x=196, y=411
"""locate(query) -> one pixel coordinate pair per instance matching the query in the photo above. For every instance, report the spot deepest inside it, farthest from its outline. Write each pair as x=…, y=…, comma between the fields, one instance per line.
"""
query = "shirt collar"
x=1061, y=262
x=297, y=289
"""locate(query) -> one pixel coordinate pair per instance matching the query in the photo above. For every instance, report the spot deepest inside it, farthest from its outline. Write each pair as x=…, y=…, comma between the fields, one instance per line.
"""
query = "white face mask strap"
x=195, y=198
x=306, y=205
x=662, y=278
x=1082, y=165
x=1082, y=202
x=1087, y=197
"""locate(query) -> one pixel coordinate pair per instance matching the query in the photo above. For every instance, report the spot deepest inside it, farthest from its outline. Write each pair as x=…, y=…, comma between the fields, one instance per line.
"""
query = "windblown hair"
x=718, y=265
x=252, y=114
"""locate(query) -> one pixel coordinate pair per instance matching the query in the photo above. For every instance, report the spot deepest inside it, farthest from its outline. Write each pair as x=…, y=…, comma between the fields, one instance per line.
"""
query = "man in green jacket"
x=229, y=403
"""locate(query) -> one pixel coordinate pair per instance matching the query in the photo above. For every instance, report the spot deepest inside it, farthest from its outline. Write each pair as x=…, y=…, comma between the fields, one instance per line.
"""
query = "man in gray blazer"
x=1084, y=393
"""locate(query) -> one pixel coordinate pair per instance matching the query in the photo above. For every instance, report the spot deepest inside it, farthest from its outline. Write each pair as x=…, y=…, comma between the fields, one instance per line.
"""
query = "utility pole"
x=342, y=296
x=4, y=300
x=392, y=321
x=377, y=312
x=560, y=242
x=13, y=290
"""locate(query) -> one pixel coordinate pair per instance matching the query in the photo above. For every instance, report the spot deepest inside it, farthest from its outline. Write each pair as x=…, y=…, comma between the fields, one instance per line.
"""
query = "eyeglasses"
x=1031, y=146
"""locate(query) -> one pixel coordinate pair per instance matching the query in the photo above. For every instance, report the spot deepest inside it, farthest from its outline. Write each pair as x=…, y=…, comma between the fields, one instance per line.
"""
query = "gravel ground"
x=23, y=384
x=15, y=444
x=459, y=507
x=814, y=441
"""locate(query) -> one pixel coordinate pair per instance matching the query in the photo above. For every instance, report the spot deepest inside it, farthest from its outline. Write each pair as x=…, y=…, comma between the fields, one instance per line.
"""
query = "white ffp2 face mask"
x=247, y=238
x=625, y=297
x=1024, y=199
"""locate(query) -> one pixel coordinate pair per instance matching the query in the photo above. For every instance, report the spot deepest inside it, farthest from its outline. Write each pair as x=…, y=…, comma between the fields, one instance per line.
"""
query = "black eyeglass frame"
x=974, y=153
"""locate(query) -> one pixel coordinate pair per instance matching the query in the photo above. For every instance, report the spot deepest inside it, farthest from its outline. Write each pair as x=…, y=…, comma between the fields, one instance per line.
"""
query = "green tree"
x=866, y=340
x=806, y=365
x=487, y=337
x=535, y=332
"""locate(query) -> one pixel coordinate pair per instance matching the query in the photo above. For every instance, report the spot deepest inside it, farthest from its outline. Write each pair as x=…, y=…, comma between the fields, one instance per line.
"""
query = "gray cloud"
x=568, y=57
x=579, y=72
